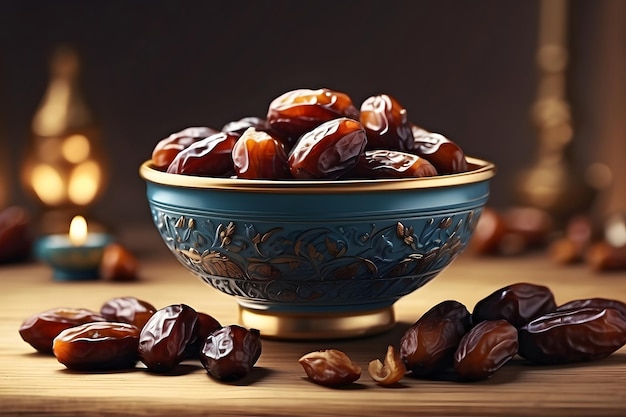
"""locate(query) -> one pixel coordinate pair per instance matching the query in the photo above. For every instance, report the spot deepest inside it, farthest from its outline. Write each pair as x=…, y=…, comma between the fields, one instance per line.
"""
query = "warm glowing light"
x=63, y=166
x=615, y=231
x=51, y=119
x=75, y=148
x=48, y=150
x=78, y=231
x=84, y=183
x=47, y=184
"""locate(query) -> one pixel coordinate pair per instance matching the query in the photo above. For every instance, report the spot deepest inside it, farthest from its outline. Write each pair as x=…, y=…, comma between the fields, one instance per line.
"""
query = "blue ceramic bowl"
x=70, y=262
x=317, y=259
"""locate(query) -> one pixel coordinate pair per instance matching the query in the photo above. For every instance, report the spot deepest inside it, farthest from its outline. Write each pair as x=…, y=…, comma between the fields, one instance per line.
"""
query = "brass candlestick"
x=552, y=183
x=609, y=80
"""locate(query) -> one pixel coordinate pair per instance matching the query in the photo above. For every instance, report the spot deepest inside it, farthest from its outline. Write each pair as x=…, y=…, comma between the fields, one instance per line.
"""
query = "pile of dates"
x=127, y=330
x=520, y=319
x=313, y=134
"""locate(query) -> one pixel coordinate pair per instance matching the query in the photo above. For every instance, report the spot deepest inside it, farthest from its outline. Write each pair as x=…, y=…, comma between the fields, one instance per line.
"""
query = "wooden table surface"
x=34, y=384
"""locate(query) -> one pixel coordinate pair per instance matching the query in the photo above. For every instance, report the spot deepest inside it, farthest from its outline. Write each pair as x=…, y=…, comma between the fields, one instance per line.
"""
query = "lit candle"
x=76, y=255
x=78, y=231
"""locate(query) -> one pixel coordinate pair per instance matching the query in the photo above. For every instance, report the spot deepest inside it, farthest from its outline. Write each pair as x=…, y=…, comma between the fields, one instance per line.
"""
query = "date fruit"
x=596, y=302
x=328, y=151
x=15, y=234
x=128, y=310
x=445, y=155
x=583, y=334
x=211, y=156
x=565, y=251
x=602, y=256
x=166, y=149
x=39, y=330
x=98, y=346
x=298, y=111
x=386, y=124
x=380, y=124
x=330, y=367
x=533, y=225
x=230, y=352
x=428, y=346
x=164, y=338
x=517, y=303
x=388, y=372
x=580, y=233
x=485, y=349
x=257, y=155
x=206, y=325
x=489, y=232
x=118, y=264
x=241, y=125
x=391, y=164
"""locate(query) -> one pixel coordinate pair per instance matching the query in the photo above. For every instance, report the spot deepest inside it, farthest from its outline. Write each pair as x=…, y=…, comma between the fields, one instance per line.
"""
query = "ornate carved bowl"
x=317, y=259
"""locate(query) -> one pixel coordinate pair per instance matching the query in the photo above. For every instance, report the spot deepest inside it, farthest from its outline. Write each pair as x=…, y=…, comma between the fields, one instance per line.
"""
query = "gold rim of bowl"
x=478, y=170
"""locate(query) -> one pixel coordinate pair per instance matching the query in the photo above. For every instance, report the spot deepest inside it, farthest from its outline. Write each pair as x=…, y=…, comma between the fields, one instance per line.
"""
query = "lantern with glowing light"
x=64, y=165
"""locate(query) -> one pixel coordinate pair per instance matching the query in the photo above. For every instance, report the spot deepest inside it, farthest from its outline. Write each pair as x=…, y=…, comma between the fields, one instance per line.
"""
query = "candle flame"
x=78, y=231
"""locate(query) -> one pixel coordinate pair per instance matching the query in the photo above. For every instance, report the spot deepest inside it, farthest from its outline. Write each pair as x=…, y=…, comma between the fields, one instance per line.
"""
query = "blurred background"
x=476, y=71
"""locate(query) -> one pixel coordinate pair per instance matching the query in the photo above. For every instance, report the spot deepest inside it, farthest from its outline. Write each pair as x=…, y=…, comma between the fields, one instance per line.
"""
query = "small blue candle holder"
x=72, y=262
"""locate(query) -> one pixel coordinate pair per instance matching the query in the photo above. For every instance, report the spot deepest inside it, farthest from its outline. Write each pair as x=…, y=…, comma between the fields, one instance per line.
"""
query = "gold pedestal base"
x=310, y=326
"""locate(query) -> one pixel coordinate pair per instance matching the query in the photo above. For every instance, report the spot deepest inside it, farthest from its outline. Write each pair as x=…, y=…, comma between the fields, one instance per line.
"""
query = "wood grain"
x=34, y=384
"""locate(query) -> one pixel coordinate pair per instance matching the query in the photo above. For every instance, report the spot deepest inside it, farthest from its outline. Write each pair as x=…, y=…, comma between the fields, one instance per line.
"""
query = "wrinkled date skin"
x=230, y=352
x=328, y=151
x=572, y=336
x=206, y=325
x=386, y=124
x=241, y=125
x=485, y=349
x=330, y=367
x=164, y=338
x=98, y=346
x=39, y=330
x=517, y=303
x=392, y=164
x=257, y=155
x=428, y=346
x=128, y=310
x=594, y=303
x=298, y=119
x=166, y=149
x=298, y=111
x=211, y=156
x=446, y=156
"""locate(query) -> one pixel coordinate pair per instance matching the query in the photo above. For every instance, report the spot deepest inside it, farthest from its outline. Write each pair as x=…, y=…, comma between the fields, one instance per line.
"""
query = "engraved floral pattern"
x=334, y=264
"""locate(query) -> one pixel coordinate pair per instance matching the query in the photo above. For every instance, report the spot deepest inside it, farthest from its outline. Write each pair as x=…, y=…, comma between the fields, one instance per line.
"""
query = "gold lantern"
x=64, y=165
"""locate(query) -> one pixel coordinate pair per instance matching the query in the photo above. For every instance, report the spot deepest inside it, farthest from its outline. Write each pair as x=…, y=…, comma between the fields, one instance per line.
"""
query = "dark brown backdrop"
x=462, y=68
